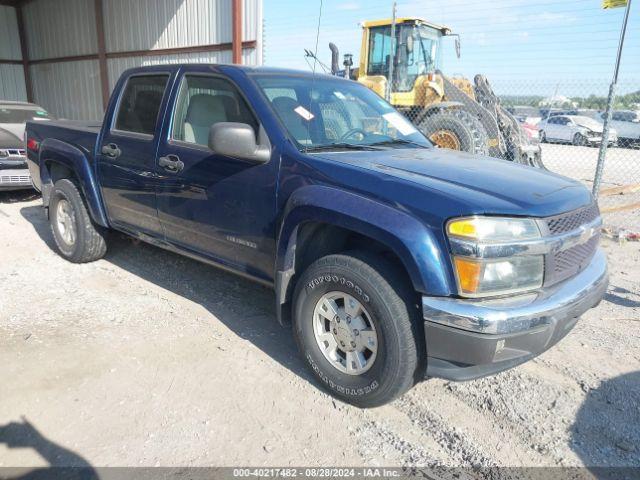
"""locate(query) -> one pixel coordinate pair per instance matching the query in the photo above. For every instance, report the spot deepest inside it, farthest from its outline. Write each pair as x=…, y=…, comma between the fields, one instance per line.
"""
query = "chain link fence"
x=560, y=131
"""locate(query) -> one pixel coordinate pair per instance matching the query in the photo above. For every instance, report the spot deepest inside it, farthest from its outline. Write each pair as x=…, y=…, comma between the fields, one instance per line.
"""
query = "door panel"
x=128, y=183
x=127, y=154
x=215, y=205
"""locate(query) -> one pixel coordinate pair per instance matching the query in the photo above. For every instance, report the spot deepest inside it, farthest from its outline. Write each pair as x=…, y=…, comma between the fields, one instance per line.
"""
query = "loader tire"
x=456, y=130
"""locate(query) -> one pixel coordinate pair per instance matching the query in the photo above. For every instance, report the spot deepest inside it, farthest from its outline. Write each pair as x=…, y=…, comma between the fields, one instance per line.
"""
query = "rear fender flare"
x=56, y=151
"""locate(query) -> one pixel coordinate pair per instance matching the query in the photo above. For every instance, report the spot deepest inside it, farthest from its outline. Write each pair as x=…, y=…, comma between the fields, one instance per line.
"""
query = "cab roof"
x=415, y=20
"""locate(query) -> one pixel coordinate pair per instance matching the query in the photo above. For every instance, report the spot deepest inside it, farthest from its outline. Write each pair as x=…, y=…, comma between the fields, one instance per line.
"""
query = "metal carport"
x=66, y=55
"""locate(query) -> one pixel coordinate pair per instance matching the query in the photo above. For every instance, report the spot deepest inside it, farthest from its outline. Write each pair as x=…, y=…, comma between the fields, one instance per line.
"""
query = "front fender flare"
x=411, y=240
x=52, y=150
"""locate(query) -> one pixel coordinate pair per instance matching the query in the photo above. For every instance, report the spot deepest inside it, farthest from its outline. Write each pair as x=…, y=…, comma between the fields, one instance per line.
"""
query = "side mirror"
x=237, y=140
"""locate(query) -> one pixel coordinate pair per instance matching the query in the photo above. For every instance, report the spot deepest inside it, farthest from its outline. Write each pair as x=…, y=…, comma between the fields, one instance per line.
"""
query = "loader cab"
x=416, y=52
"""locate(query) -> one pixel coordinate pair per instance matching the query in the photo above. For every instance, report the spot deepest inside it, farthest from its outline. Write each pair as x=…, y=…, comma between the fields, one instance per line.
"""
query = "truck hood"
x=9, y=140
x=16, y=128
x=477, y=184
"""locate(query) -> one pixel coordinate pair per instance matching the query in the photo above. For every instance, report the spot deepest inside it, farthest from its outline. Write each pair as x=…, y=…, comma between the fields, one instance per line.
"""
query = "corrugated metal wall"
x=155, y=24
x=59, y=28
x=12, y=86
x=69, y=90
x=62, y=28
x=9, y=39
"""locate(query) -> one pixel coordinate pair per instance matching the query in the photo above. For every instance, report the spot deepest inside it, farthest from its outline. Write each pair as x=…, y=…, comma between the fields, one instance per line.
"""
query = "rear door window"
x=140, y=104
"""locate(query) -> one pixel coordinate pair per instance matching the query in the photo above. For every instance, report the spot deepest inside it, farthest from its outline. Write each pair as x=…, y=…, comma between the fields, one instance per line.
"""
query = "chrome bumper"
x=471, y=338
x=13, y=179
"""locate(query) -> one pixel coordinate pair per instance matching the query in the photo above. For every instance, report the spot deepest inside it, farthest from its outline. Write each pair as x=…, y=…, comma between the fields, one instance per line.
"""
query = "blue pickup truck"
x=392, y=260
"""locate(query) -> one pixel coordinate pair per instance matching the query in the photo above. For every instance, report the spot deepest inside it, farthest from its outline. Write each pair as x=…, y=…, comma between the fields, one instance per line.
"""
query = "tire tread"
x=91, y=240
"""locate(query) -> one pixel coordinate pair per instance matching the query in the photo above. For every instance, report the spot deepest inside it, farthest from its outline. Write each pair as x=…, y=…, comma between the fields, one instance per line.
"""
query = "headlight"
x=478, y=277
x=494, y=229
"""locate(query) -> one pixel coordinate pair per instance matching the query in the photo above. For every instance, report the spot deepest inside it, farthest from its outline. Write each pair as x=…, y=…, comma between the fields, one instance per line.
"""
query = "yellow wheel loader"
x=401, y=61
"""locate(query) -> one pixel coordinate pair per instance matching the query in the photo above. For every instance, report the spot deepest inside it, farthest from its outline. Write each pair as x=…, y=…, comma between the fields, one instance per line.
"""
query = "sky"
x=537, y=46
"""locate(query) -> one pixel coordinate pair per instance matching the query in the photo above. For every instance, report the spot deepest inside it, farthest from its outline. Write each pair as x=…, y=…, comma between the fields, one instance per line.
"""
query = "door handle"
x=171, y=163
x=111, y=150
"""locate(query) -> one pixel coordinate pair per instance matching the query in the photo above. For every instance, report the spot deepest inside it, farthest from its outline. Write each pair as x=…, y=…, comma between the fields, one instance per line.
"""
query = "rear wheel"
x=356, y=324
x=456, y=130
x=78, y=239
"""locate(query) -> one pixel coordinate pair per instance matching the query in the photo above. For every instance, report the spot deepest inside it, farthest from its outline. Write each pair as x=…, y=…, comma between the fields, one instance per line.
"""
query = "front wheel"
x=356, y=324
x=579, y=140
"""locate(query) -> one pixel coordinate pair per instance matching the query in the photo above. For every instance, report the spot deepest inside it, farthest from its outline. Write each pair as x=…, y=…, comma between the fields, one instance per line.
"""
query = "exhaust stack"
x=335, y=55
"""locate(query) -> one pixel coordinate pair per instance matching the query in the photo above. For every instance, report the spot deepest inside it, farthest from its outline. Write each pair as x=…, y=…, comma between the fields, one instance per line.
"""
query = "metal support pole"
x=102, y=53
x=610, y=101
x=24, y=50
x=236, y=14
x=392, y=57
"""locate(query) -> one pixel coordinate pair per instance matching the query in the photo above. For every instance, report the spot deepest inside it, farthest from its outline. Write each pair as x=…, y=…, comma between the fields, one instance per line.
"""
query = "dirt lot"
x=148, y=358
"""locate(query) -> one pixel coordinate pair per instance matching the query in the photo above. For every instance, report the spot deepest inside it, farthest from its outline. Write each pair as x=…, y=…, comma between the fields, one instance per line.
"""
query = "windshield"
x=586, y=121
x=416, y=49
x=336, y=113
x=21, y=115
x=425, y=55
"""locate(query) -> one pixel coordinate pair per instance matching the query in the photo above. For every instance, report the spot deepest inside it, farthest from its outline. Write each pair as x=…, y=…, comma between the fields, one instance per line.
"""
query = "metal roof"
x=387, y=21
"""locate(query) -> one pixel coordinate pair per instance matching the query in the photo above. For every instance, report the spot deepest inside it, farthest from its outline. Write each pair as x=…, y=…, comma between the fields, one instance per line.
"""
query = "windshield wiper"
x=340, y=146
x=399, y=141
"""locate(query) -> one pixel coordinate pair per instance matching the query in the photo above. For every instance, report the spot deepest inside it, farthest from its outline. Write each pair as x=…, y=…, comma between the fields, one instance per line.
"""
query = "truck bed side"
x=57, y=148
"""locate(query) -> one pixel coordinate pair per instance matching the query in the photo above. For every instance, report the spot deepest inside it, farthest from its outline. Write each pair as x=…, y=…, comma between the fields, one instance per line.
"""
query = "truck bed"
x=82, y=135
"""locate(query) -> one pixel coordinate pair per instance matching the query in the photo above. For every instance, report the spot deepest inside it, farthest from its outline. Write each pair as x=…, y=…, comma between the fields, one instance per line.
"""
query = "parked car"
x=392, y=259
x=14, y=174
x=531, y=130
x=550, y=112
x=627, y=124
x=576, y=129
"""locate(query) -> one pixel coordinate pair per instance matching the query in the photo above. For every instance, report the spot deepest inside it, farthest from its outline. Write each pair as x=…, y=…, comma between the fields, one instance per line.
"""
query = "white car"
x=14, y=174
x=576, y=129
x=627, y=124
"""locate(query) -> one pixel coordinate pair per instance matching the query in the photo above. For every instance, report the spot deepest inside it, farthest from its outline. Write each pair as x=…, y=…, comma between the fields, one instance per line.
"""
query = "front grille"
x=567, y=222
x=571, y=261
x=9, y=179
x=13, y=152
x=567, y=263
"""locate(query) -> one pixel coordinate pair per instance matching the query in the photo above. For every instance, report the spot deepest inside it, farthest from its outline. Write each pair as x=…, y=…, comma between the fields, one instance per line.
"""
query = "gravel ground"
x=149, y=358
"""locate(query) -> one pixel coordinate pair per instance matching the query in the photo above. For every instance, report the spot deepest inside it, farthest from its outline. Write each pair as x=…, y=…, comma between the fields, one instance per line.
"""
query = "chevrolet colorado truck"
x=392, y=260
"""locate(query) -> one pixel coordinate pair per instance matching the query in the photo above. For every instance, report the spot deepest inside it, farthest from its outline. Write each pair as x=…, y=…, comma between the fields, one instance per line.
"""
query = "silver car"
x=575, y=129
x=14, y=174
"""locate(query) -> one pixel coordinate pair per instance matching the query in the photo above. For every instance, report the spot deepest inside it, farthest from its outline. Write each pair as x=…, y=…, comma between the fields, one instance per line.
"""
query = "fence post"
x=607, y=116
x=394, y=46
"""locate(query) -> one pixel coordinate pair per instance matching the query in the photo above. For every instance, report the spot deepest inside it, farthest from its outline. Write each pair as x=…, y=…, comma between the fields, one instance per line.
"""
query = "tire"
x=579, y=140
x=388, y=305
x=77, y=238
x=543, y=137
x=457, y=130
